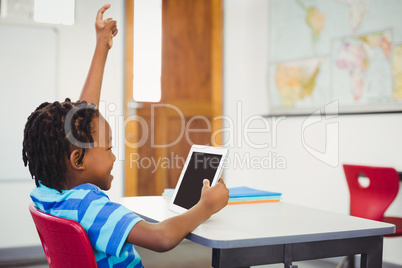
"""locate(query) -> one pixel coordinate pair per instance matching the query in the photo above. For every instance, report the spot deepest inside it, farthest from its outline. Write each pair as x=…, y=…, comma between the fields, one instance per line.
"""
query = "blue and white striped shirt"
x=107, y=223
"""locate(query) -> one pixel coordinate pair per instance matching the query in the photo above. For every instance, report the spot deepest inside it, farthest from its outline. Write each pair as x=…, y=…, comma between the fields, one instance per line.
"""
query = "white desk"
x=266, y=233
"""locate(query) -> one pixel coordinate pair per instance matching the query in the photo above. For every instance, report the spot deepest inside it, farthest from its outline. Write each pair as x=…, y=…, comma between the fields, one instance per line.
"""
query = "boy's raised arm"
x=105, y=31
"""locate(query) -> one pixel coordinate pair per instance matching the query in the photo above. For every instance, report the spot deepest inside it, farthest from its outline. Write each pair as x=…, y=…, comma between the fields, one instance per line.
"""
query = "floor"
x=314, y=264
x=191, y=255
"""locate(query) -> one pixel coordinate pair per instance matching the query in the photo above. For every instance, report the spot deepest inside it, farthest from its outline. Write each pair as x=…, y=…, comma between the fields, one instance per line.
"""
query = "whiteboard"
x=28, y=77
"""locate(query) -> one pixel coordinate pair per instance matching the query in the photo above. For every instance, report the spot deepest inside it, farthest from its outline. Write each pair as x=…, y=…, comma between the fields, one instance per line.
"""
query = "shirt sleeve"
x=107, y=224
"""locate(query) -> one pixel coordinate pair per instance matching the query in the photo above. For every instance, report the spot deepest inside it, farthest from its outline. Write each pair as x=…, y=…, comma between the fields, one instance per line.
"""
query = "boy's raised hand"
x=216, y=197
x=106, y=29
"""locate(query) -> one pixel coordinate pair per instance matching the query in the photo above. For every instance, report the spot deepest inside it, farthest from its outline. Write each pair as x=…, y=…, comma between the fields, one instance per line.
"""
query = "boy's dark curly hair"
x=49, y=139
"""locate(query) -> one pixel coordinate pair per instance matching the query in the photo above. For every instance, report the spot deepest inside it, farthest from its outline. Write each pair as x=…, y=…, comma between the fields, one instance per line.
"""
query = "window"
x=147, y=50
x=42, y=11
x=56, y=12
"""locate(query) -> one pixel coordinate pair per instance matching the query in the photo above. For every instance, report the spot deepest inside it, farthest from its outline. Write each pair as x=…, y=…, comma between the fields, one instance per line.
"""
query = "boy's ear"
x=75, y=160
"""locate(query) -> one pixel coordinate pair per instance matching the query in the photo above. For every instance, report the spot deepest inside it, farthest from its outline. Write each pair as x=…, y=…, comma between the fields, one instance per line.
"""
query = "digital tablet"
x=203, y=162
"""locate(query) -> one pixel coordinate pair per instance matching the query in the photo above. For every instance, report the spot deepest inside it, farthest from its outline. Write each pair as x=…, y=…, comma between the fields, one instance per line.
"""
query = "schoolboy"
x=67, y=147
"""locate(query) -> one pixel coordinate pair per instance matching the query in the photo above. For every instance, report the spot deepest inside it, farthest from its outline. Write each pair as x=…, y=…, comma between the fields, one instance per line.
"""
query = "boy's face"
x=100, y=159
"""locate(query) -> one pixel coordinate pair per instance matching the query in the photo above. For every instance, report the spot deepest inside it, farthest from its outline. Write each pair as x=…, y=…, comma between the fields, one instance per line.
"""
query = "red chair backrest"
x=64, y=241
x=371, y=202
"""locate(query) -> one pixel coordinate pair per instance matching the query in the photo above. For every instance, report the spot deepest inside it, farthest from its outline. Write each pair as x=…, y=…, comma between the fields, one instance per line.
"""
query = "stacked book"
x=242, y=195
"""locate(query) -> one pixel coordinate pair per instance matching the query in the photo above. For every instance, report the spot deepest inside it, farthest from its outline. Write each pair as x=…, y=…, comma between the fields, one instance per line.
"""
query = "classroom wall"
x=303, y=179
x=75, y=45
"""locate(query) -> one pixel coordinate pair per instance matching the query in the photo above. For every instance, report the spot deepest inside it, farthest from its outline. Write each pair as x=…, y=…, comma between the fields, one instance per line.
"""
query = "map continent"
x=357, y=11
x=296, y=80
x=397, y=72
x=358, y=55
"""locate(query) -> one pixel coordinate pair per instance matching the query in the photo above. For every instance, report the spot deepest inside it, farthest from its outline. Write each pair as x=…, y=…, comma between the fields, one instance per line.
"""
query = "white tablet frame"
x=202, y=149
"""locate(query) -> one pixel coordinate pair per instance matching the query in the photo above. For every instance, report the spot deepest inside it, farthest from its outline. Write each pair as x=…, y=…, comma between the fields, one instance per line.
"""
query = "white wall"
x=363, y=139
x=76, y=46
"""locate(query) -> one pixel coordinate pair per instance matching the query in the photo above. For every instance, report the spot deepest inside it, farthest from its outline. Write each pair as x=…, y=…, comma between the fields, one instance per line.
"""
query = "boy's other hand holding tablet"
x=215, y=198
x=168, y=234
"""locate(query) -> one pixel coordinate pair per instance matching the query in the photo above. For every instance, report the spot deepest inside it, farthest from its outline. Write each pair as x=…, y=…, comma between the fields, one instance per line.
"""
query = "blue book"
x=249, y=198
x=238, y=194
x=244, y=191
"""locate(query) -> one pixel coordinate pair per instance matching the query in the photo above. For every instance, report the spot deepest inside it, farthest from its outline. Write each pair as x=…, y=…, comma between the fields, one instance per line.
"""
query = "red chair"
x=64, y=241
x=372, y=201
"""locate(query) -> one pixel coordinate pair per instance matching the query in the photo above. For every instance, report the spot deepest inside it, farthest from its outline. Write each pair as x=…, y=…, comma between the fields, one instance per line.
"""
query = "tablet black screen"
x=201, y=166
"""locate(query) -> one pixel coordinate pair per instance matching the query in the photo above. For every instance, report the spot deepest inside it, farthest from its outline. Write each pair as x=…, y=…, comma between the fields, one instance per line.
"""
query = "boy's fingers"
x=107, y=20
x=205, y=182
x=110, y=23
x=102, y=10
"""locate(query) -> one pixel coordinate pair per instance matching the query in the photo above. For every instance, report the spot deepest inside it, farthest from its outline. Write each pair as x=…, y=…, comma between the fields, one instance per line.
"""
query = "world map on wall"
x=323, y=51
